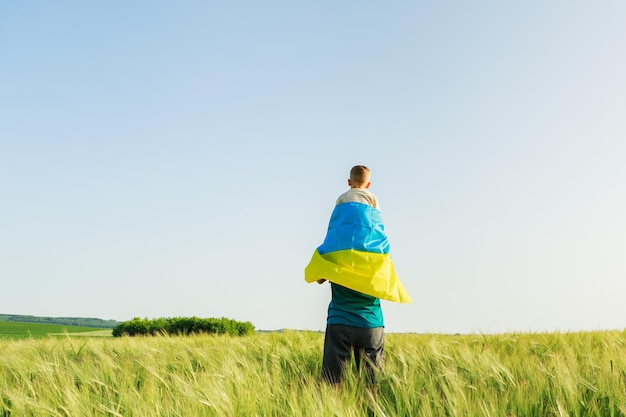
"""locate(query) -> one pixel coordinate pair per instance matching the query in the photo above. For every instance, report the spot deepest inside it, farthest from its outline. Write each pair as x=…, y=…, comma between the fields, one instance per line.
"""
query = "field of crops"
x=18, y=330
x=277, y=374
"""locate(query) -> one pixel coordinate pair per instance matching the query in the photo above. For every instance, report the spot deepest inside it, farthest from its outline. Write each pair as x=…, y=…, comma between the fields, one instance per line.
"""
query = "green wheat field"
x=277, y=374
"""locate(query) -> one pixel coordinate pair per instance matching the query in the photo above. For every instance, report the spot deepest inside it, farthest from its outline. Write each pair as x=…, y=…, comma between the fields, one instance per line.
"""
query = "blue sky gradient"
x=165, y=159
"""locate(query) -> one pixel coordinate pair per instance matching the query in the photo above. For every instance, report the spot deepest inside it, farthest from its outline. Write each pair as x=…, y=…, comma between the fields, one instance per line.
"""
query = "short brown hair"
x=360, y=174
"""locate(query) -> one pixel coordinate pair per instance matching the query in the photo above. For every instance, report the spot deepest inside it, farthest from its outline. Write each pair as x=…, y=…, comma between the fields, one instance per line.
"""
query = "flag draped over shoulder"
x=355, y=254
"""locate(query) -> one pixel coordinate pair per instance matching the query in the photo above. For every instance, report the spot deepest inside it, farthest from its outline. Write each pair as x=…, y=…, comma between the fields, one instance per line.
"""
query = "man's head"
x=359, y=177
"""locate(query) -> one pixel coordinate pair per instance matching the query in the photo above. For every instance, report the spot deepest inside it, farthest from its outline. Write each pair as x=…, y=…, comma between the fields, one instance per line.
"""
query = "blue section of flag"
x=355, y=226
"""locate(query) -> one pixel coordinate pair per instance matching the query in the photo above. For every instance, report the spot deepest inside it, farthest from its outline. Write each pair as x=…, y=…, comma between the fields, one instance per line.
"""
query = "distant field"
x=17, y=330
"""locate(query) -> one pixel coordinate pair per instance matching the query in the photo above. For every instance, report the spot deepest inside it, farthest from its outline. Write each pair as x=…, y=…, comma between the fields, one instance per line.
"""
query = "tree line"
x=182, y=326
x=66, y=321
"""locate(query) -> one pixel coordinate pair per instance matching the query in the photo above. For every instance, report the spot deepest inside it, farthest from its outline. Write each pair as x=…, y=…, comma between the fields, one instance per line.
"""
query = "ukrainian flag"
x=355, y=254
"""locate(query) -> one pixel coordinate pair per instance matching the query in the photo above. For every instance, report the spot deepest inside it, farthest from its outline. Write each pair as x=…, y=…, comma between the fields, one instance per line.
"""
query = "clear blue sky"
x=176, y=159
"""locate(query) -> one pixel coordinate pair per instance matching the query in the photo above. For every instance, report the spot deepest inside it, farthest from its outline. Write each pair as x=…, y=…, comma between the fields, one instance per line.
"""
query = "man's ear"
x=368, y=185
x=349, y=182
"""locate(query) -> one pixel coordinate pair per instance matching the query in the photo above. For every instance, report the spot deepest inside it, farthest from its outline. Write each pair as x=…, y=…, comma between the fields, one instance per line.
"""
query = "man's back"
x=353, y=308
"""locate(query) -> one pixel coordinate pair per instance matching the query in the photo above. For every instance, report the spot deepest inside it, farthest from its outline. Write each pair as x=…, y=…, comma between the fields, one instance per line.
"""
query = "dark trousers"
x=340, y=342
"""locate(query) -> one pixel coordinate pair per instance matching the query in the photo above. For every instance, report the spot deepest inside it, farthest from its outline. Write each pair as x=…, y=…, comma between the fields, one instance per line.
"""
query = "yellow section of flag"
x=366, y=272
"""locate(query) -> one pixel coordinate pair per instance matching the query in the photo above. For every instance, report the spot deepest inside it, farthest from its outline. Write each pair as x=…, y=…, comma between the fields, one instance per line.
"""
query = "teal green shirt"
x=352, y=308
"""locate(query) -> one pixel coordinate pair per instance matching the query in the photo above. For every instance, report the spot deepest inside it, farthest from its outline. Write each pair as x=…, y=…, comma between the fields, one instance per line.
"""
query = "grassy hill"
x=18, y=330
x=13, y=326
x=64, y=321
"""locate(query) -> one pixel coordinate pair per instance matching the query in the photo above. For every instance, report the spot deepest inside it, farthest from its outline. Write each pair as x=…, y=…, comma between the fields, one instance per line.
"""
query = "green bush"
x=182, y=326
